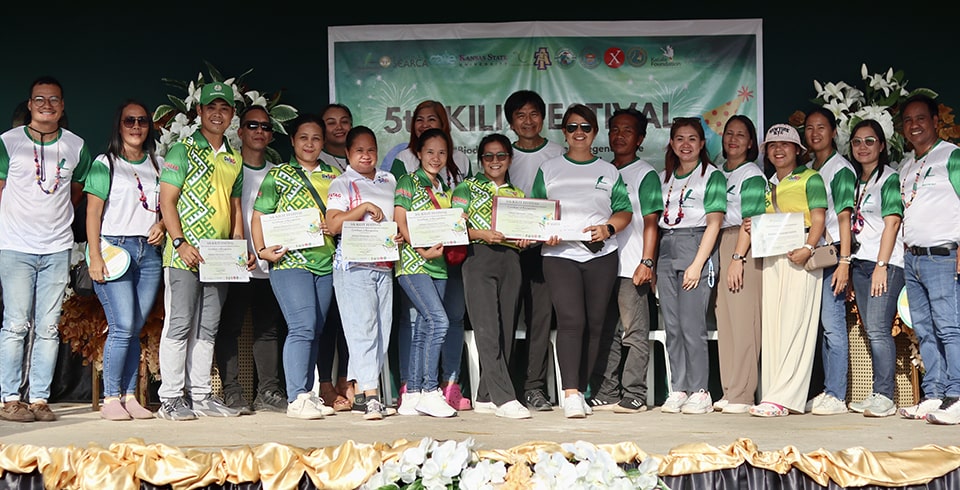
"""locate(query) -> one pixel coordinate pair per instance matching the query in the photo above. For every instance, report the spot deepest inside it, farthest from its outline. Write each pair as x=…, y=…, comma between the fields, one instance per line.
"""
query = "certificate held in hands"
x=369, y=241
x=524, y=218
x=428, y=228
x=776, y=233
x=295, y=230
x=223, y=261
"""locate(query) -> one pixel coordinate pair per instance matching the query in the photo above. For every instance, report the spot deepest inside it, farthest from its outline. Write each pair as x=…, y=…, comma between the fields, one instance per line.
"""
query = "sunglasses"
x=500, y=156
x=130, y=121
x=869, y=141
x=253, y=125
x=586, y=127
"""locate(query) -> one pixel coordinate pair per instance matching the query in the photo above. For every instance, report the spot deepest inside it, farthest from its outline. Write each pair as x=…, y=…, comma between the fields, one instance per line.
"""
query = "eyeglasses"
x=586, y=127
x=40, y=100
x=253, y=125
x=500, y=156
x=130, y=121
x=869, y=141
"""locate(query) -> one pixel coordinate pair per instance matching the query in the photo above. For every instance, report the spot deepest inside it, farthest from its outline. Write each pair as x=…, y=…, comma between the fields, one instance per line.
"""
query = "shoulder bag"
x=823, y=256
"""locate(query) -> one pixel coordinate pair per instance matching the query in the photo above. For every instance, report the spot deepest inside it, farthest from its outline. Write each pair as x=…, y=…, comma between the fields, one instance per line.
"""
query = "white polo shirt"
x=930, y=186
x=351, y=189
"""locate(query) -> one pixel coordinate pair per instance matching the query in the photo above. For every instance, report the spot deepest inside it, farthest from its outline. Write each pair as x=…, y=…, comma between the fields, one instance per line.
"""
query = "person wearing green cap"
x=200, y=189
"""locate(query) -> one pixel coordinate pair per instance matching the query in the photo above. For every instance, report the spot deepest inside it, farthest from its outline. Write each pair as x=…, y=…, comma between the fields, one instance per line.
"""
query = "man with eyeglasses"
x=525, y=111
x=42, y=168
x=200, y=189
x=256, y=133
x=930, y=189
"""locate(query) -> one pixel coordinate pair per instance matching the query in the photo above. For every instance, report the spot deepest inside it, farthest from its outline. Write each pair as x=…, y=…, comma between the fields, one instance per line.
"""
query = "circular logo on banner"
x=385, y=62
x=613, y=57
x=589, y=58
x=637, y=57
x=566, y=58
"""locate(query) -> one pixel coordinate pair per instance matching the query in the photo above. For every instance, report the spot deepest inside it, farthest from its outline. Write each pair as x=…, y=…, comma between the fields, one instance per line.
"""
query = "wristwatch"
x=647, y=262
x=881, y=263
x=178, y=241
x=611, y=230
x=808, y=247
x=739, y=257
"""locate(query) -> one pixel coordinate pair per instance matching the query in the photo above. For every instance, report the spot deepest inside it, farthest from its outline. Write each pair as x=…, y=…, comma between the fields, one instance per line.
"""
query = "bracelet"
x=844, y=257
x=261, y=250
x=844, y=261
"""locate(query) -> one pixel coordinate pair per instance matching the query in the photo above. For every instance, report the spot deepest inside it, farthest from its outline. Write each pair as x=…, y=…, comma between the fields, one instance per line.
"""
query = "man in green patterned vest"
x=200, y=189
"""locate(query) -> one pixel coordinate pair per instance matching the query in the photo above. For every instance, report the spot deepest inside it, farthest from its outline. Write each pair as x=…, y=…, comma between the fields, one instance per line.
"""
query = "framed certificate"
x=369, y=241
x=428, y=228
x=776, y=233
x=523, y=218
x=294, y=230
x=223, y=261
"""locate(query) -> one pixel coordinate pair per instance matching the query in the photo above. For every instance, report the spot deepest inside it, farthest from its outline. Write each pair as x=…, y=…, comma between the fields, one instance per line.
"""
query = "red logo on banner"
x=613, y=57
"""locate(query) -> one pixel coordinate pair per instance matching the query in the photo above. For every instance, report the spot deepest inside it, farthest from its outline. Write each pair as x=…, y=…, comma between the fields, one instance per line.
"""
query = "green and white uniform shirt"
x=875, y=200
x=523, y=169
x=36, y=211
x=131, y=202
x=589, y=193
x=475, y=197
x=930, y=186
x=841, y=181
x=283, y=189
x=643, y=187
x=413, y=194
x=350, y=190
x=799, y=192
x=694, y=195
x=407, y=162
x=746, y=187
x=207, y=179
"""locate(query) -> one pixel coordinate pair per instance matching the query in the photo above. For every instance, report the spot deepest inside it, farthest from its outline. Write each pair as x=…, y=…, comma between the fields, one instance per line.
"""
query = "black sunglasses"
x=253, y=125
x=586, y=127
x=130, y=121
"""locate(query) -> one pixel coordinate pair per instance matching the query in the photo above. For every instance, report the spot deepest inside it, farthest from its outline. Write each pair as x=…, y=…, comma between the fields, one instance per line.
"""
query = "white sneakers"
x=828, y=405
x=674, y=402
x=920, y=410
x=308, y=406
x=947, y=414
x=434, y=404
x=485, y=407
x=409, y=402
x=513, y=410
x=698, y=403
x=875, y=405
x=574, y=407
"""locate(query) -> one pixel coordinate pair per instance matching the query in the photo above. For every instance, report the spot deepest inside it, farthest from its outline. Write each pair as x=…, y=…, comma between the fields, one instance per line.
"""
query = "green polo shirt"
x=475, y=196
x=413, y=194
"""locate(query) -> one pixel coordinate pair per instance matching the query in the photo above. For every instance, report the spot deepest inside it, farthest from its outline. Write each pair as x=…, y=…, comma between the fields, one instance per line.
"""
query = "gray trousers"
x=685, y=312
x=192, y=317
x=624, y=364
x=491, y=280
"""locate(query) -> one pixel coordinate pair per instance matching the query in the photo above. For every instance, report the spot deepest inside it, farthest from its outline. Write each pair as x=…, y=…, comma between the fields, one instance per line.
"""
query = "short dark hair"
x=931, y=104
x=45, y=80
x=357, y=131
x=249, y=109
x=521, y=98
x=630, y=111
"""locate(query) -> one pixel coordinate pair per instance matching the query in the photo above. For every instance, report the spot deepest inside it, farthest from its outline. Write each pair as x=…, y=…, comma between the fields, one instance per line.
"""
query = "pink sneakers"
x=455, y=397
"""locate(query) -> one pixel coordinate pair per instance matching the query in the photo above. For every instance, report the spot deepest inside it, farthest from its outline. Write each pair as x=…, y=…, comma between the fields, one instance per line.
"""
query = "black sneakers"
x=270, y=401
x=629, y=405
x=601, y=404
x=536, y=400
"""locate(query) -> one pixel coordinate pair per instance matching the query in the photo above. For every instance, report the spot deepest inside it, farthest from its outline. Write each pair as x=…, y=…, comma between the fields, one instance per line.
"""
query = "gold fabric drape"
x=124, y=465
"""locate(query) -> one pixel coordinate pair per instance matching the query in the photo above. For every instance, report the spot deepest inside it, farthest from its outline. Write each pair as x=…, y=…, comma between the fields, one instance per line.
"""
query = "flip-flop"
x=767, y=409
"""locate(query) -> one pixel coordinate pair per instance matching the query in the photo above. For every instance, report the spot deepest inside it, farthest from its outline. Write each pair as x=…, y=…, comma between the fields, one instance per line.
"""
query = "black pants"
x=538, y=316
x=268, y=332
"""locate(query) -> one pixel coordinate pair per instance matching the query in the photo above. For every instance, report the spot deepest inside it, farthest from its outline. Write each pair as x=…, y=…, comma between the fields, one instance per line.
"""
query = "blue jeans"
x=33, y=289
x=365, y=298
x=456, y=307
x=127, y=302
x=426, y=295
x=876, y=314
x=304, y=299
x=934, y=296
x=836, y=340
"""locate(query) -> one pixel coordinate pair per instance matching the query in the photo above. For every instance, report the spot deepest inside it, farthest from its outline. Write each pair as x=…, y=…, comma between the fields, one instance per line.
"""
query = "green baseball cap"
x=216, y=90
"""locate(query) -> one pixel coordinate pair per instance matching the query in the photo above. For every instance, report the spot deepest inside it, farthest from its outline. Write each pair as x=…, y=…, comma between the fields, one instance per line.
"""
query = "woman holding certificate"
x=491, y=276
x=422, y=273
x=301, y=279
x=791, y=294
x=364, y=290
x=694, y=194
x=122, y=214
x=580, y=263
x=877, y=269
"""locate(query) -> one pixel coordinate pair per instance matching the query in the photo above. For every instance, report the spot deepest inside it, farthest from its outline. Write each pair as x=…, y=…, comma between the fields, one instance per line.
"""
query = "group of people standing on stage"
x=684, y=233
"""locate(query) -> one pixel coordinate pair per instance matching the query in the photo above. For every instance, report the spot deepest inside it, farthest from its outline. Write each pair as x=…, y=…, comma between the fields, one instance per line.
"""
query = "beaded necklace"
x=39, y=161
x=916, y=184
x=143, y=197
x=666, y=207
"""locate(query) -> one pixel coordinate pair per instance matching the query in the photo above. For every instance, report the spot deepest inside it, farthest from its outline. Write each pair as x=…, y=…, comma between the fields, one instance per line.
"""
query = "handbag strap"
x=433, y=198
x=313, y=190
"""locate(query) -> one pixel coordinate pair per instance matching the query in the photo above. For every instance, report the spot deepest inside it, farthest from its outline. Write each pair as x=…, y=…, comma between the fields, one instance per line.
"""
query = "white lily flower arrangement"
x=178, y=119
x=879, y=99
x=435, y=465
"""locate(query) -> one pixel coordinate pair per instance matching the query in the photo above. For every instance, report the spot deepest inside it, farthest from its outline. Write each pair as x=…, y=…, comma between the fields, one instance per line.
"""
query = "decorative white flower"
x=483, y=476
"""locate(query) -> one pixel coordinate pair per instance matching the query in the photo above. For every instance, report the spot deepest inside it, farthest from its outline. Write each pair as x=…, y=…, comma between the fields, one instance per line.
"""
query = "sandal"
x=342, y=404
x=346, y=389
x=329, y=394
x=768, y=409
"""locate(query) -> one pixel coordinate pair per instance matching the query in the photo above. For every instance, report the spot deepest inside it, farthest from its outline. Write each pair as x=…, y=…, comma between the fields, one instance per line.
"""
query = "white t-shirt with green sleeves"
x=643, y=186
x=523, y=169
x=124, y=213
x=930, y=186
x=208, y=179
x=876, y=200
x=841, y=180
x=589, y=193
x=746, y=193
x=701, y=192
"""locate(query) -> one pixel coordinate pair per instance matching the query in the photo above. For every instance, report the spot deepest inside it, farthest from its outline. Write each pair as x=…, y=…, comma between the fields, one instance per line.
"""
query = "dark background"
x=105, y=53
